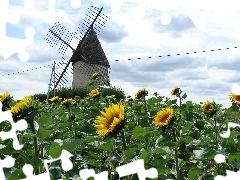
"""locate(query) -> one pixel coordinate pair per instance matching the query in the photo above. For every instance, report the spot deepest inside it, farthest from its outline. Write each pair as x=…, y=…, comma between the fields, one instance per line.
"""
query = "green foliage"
x=184, y=150
x=82, y=92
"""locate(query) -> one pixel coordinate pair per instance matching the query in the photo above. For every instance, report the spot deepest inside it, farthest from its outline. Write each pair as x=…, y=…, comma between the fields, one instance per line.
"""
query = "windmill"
x=87, y=58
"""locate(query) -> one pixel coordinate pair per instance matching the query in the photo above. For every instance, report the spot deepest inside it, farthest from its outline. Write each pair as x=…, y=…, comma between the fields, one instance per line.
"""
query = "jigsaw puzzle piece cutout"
x=65, y=162
x=29, y=5
x=5, y=17
x=87, y=173
x=219, y=158
x=59, y=15
x=165, y=6
x=7, y=162
x=65, y=159
x=137, y=167
x=9, y=45
x=227, y=133
x=236, y=89
x=116, y=6
x=192, y=8
x=76, y=3
x=28, y=171
x=229, y=175
x=21, y=125
x=139, y=12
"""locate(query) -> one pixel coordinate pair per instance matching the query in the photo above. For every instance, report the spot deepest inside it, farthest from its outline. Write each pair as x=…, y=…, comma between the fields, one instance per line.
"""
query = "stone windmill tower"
x=95, y=60
x=86, y=59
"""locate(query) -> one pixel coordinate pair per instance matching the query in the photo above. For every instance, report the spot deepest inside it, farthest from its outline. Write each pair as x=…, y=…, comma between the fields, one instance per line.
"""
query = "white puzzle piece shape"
x=220, y=158
x=65, y=161
x=8, y=45
x=21, y=125
x=7, y=162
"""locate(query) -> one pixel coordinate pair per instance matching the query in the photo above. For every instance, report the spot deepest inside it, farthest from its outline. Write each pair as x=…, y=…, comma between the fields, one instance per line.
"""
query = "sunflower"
x=94, y=93
x=55, y=98
x=110, y=120
x=209, y=108
x=77, y=98
x=95, y=74
x=140, y=93
x=234, y=98
x=163, y=117
x=4, y=97
x=22, y=105
x=121, y=101
x=175, y=90
x=68, y=101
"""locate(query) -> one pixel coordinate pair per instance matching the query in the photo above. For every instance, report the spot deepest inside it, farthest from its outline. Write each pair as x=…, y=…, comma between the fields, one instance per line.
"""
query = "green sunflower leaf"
x=193, y=173
x=106, y=146
x=71, y=144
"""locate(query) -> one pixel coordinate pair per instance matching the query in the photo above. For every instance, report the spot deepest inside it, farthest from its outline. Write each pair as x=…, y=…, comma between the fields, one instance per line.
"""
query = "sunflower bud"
x=209, y=108
x=175, y=90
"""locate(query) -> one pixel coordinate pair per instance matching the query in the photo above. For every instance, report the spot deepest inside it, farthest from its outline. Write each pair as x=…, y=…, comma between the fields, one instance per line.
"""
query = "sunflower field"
x=176, y=136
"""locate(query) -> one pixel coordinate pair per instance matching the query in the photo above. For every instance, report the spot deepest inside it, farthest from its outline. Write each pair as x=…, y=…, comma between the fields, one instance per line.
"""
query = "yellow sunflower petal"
x=109, y=120
x=163, y=117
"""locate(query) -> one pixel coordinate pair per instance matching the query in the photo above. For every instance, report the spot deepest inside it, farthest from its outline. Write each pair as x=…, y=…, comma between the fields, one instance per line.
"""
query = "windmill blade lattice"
x=62, y=79
x=59, y=30
x=68, y=38
x=91, y=20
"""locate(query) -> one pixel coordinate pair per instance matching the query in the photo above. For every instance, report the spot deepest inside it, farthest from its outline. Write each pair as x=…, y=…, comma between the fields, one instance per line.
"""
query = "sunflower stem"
x=216, y=140
x=146, y=112
x=35, y=139
x=216, y=132
x=124, y=146
x=176, y=154
x=123, y=140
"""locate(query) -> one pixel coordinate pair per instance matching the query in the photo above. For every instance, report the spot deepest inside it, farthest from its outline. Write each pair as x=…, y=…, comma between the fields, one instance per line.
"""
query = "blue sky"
x=136, y=29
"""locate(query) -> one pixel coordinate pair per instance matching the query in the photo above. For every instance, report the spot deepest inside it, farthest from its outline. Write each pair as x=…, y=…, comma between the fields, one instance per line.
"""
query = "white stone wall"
x=83, y=71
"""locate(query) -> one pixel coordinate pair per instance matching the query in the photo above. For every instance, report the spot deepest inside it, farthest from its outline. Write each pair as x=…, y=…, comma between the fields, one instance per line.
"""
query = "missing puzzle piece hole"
x=165, y=19
x=29, y=33
x=75, y=3
x=8, y=162
x=23, y=56
x=28, y=170
x=66, y=162
x=14, y=19
x=219, y=158
x=29, y=5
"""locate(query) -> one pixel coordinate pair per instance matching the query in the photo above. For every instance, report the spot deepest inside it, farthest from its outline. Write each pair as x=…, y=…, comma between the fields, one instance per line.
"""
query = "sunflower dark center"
x=165, y=117
x=237, y=98
x=110, y=121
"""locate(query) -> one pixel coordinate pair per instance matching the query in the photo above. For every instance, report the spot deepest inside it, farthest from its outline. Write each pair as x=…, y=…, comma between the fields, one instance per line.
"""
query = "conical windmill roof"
x=91, y=49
